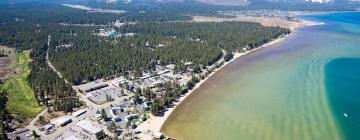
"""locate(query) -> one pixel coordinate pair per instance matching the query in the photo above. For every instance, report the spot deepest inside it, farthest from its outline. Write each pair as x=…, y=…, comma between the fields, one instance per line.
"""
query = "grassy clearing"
x=22, y=103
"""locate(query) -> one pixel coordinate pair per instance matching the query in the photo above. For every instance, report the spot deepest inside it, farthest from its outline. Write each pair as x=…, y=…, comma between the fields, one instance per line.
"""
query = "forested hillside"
x=25, y=31
x=81, y=55
x=4, y=114
x=232, y=36
x=47, y=85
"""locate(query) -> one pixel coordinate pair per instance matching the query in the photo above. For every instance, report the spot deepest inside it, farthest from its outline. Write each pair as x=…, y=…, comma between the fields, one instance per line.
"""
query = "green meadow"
x=22, y=103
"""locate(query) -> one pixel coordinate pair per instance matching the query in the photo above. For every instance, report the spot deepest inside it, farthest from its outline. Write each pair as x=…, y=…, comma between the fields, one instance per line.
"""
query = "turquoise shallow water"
x=283, y=92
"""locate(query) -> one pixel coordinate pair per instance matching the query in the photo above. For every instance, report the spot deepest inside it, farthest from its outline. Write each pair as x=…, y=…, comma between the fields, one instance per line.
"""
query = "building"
x=79, y=112
x=88, y=127
x=21, y=131
x=111, y=33
x=158, y=135
x=62, y=121
x=97, y=116
x=94, y=85
x=131, y=117
x=107, y=32
x=163, y=72
x=146, y=106
x=113, y=115
x=72, y=138
x=48, y=127
x=119, y=80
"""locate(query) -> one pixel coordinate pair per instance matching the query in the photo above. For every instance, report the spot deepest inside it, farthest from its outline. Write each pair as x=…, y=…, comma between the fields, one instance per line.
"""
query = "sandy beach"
x=155, y=123
x=290, y=24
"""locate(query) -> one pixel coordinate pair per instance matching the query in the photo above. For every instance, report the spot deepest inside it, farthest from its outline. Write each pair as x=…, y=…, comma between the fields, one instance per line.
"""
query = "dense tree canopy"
x=4, y=115
x=80, y=55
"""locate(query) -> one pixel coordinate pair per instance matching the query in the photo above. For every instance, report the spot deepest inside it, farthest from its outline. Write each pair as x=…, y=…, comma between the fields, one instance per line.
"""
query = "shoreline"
x=155, y=123
x=265, y=21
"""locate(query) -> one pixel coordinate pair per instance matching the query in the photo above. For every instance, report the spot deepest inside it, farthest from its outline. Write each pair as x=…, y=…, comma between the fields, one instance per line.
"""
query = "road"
x=88, y=115
x=31, y=126
x=91, y=107
x=81, y=96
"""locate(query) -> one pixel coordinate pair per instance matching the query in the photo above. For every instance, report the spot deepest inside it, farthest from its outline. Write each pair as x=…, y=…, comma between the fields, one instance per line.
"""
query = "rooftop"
x=72, y=138
x=79, y=112
x=94, y=85
x=61, y=120
x=86, y=125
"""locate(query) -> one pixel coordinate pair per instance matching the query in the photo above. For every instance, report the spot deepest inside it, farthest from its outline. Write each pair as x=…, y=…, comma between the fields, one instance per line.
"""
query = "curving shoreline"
x=155, y=123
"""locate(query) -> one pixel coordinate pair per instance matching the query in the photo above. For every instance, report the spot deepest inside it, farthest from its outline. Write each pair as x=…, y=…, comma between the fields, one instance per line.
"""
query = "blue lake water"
x=343, y=87
x=342, y=74
x=298, y=89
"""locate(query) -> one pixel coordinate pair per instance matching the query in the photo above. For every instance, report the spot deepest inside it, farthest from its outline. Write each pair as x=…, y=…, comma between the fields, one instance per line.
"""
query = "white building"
x=72, y=138
x=62, y=121
x=114, y=117
x=79, y=112
x=93, y=85
x=120, y=80
x=88, y=127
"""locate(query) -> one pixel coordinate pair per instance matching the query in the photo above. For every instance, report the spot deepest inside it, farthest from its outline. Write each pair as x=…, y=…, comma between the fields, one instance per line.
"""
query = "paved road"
x=88, y=114
x=82, y=97
x=31, y=126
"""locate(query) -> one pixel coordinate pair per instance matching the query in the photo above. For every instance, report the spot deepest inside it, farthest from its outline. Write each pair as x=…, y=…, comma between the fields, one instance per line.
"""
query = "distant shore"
x=266, y=21
x=155, y=123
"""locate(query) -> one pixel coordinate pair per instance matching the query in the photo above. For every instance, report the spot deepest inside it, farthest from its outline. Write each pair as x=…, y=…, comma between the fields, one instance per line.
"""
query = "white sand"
x=266, y=21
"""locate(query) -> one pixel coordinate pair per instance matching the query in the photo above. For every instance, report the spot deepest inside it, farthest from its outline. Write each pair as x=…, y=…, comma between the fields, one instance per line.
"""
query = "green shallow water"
x=274, y=93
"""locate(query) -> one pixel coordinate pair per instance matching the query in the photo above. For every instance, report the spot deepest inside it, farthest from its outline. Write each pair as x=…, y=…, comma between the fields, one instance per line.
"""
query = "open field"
x=8, y=51
x=290, y=24
x=5, y=62
x=22, y=103
x=4, y=66
x=94, y=10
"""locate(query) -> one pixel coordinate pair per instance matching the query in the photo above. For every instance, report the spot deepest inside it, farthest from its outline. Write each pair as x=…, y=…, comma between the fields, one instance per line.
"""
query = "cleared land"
x=5, y=62
x=22, y=103
x=94, y=10
x=262, y=20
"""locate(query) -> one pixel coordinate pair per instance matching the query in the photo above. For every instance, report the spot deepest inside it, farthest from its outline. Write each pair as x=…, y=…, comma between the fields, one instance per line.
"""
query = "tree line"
x=94, y=57
x=5, y=117
x=232, y=36
x=49, y=89
x=89, y=57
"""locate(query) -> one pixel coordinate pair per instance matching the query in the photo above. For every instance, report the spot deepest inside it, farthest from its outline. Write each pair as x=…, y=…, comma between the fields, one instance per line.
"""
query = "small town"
x=179, y=69
x=115, y=107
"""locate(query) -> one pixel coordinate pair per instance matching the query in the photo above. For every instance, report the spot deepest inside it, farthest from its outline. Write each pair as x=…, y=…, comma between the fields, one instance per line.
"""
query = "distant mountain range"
x=246, y=2
x=212, y=2
x=215, y=2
